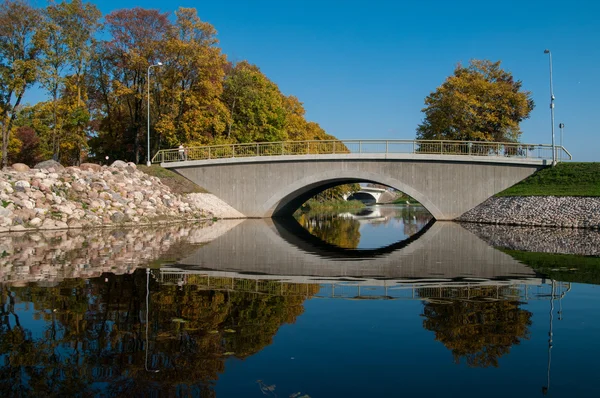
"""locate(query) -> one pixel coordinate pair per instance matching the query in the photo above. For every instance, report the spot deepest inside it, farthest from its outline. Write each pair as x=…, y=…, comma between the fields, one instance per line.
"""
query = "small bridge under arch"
x=274, y=179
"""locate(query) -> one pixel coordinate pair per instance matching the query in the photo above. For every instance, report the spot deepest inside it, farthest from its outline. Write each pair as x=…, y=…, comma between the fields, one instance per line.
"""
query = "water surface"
x=380, y=303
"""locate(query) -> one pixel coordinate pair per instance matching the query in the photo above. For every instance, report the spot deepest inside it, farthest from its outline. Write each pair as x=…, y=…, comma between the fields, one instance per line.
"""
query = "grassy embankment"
x=565, y=179
x=561, y=267
x=177, y=183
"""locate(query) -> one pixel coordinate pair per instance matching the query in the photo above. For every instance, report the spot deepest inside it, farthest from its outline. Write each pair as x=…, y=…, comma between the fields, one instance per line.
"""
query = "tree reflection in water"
x=477, y=324
x=88, y=336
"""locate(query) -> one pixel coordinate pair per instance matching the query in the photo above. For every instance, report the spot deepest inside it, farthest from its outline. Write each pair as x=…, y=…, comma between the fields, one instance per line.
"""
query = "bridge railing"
x=283, y=148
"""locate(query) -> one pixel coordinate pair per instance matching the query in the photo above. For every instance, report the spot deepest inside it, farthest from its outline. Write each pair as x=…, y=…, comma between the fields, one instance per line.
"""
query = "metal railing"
x=283, y=148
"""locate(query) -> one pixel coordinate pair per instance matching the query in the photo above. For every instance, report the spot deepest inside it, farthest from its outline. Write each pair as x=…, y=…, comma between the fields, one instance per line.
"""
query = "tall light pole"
x=546, y=51
x=148, y=138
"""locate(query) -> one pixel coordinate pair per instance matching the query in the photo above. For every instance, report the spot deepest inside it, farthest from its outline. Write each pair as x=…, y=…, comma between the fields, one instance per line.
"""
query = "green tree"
x=19, y=49
x=255, y=104
x=479, y=102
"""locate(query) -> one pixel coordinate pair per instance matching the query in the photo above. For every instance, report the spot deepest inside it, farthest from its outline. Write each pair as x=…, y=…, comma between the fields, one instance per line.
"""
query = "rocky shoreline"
x=537, y=211
x=577, y=241
x=50, y=196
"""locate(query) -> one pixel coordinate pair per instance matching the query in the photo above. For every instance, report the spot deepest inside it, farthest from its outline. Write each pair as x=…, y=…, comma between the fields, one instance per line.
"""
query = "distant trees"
x=97, y=84
x=479, y=102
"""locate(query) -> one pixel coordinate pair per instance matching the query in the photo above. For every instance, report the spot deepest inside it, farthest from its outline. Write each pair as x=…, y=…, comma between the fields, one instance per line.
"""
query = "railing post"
x=359, y=146
x=386, y=146
x=282, y=149
x=233, y=151
x=308, y=147
x=414, y=146
x=498, y=150
x=257, y=150
x=333, y=146
x=209, y=152
x=441, y=147
x=162, y=157
x=470, y=145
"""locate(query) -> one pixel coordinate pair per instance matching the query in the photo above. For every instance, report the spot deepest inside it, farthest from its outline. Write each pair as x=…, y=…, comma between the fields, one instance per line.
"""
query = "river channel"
x=378, y=302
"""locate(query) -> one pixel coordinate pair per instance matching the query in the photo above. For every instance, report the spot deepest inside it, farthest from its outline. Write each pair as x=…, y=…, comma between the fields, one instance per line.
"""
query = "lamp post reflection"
x=147, y=322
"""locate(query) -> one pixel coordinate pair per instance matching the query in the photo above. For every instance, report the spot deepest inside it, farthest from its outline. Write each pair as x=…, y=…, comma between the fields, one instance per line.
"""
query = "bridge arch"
x=288, y=198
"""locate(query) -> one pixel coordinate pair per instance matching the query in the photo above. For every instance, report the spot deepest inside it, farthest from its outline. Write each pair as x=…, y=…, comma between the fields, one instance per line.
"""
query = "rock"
x=78, y=187
x=132, y=165
x=90, y=167
x=20, y=167
x=117, y=217
x=21, y=186
x=49, y=164
x=119, y=164
x=4, y=212
x=61, y=225
x=35, y=222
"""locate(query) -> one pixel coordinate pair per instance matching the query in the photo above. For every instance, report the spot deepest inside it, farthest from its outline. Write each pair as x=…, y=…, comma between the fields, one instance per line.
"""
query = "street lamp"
x=148, y=139
x=546, y=51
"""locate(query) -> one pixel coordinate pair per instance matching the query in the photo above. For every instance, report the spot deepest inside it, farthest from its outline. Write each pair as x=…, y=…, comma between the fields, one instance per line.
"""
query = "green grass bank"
x=565, y=179
x=177, y=183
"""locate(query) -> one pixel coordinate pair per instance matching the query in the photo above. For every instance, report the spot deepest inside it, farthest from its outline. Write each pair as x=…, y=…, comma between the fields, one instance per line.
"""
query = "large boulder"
x=20, y=167
x=49, y=164
x=90, y=167
x=119, y=164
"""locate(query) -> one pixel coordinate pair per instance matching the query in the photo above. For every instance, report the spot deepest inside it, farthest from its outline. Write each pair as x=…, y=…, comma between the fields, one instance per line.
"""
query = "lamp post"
x=546, y=51
x=148, y=138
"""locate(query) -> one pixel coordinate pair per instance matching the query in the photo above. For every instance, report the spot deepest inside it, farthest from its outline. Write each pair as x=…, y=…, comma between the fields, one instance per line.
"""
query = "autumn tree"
x=479, y=102
x=191, y=110
x=137, y=41
x=255, y=104
x=19, y=49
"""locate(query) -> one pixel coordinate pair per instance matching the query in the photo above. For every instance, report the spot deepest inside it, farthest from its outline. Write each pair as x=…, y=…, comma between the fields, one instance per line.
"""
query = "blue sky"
x=363, y=68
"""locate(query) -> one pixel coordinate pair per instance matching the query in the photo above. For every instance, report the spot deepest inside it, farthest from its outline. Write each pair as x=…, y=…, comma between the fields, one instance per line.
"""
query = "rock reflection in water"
x=89, y=336
x=54, y=255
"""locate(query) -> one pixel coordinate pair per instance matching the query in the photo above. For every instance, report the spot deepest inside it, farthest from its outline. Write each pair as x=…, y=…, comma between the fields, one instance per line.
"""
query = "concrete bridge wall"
x=447, y=186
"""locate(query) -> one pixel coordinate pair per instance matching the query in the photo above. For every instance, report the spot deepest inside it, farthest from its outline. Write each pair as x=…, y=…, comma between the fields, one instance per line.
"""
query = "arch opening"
x=289, y=198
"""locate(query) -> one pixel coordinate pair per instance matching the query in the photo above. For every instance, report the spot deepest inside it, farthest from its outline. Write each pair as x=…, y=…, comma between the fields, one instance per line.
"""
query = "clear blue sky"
x=363, y=68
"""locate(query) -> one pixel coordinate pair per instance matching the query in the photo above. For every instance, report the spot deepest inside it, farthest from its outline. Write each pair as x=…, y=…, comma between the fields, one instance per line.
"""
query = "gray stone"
x=119, y=164
x=117, y=217
x=21, y=186
x=49, y=164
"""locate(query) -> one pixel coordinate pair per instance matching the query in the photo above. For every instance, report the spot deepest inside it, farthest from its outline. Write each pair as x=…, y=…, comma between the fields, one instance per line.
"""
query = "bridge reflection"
x=442, y=250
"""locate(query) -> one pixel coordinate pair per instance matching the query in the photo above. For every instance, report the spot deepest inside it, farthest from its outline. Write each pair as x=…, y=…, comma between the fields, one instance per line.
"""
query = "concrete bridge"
x=370, y=195
x=274, y=179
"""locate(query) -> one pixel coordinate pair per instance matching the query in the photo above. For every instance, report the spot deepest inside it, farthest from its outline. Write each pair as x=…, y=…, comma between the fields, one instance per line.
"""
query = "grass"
x=331, y=205
x=177, y=183
x=561, y=267
x=565, y=179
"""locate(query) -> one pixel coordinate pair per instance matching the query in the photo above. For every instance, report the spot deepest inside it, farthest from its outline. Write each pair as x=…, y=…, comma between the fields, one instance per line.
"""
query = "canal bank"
x=50, y=196
x=566, y=196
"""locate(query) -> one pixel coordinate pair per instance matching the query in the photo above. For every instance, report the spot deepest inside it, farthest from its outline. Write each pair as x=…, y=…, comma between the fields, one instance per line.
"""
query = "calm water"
x=378, y=303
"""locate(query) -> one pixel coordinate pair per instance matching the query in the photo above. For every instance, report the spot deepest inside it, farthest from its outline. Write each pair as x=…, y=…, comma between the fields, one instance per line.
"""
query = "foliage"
x=564, y=179
x=479, y=328
x=20, y=44
x=29, y=149
x=338, y=231
x=479, y=102
x=101, y=84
